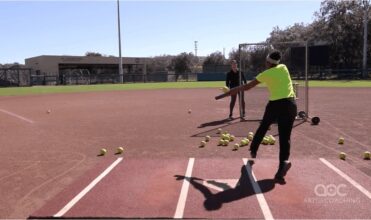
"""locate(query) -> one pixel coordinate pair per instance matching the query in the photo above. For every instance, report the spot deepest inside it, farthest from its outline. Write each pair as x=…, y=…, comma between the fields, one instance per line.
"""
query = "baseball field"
x=51, y=137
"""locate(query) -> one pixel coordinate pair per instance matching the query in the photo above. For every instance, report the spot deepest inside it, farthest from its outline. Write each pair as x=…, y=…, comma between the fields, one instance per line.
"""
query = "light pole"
x=121, y=74
x=196, y=48
x=365, y=23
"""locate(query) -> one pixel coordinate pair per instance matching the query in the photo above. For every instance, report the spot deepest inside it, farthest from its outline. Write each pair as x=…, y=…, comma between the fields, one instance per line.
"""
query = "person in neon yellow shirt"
x=281, y=108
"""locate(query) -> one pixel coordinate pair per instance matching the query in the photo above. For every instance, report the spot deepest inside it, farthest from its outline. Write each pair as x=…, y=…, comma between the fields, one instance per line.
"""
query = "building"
x=55, y=65
x=62, y=68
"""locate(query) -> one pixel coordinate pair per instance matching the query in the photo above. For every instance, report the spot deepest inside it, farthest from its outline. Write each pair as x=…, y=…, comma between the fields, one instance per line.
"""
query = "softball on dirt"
x=227, y=137
x=232, y=137
x=250, y=133
x=223, y=136
x=207, y=138
x=203, y=144
x=265, y=140
x=221, y=142
x=243, y=142
x=272, y=140
x=342, y=155
x=226, y=142
x=103, y=151
x=250, y=137
x=341, y=140
x=236, y=146
x=225, y=89
x=219, y=131
x=120, y=150
x=367, y=155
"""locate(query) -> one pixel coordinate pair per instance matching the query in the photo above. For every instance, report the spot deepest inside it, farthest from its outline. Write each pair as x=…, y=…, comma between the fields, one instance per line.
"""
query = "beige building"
x=57, y=65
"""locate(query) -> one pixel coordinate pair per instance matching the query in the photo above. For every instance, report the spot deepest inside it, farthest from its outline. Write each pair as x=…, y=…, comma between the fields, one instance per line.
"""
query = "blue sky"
x=148, y=28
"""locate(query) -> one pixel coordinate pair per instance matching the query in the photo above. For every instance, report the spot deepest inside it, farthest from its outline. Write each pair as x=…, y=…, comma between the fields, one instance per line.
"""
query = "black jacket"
x=233, y=79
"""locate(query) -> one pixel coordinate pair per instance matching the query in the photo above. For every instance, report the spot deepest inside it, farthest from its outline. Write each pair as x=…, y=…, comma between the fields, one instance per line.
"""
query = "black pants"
x=282, y=111
x=233, y=102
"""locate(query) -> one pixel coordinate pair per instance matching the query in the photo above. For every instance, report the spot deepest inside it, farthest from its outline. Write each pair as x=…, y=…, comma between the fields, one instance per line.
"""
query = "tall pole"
x=365, y=21
x=196, y=48
x=306, y=82
x=241, y=93
x=121, y=74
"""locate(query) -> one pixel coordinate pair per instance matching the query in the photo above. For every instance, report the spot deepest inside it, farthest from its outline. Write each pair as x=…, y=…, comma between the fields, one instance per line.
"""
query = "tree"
x=183, y=63
x=216, y=58
x=159, y=63
x=93, y=54
x=342, y=24
x=297, y=32
x=12, y=65
x=235, y=55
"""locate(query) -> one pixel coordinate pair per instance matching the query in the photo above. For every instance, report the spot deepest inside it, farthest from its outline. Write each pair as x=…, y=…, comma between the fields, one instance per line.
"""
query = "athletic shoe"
x=280, y=180
x=282, y=170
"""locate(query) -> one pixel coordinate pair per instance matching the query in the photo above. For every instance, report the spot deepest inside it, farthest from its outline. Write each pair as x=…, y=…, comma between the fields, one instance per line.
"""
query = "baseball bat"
x=233, y=91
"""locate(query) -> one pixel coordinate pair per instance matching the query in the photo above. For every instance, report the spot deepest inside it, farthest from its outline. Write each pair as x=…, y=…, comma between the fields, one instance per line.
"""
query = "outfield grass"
x=143, y=86
x=105, y=87
x=340, y=83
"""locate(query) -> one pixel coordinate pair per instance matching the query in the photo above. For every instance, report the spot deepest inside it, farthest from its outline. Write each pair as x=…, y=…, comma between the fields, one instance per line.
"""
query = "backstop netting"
x=252, y=57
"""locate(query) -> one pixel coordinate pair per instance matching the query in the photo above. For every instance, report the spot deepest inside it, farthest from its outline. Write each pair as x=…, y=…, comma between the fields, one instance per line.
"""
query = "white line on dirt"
x=79, y=196
x=346, y=177
x=259, y=195
x=17, y=116
x=184, y=191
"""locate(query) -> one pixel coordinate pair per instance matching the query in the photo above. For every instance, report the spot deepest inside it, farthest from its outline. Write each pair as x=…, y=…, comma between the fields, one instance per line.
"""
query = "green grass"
x=105, y=87
x=340, y=83
x=16, y=91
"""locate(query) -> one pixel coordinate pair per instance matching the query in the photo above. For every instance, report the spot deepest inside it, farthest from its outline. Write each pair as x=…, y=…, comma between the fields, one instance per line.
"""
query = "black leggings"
x=233, y=102
x=283, y=111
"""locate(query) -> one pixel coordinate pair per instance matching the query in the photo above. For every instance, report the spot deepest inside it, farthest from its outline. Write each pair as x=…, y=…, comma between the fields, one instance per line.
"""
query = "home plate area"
x=214, y=188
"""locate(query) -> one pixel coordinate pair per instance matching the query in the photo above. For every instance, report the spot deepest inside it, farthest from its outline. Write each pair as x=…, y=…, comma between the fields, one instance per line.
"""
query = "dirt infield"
x=43, y=153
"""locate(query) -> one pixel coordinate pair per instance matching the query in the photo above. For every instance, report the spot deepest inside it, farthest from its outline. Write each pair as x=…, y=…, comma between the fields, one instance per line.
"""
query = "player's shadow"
x=217, y=122
x=227, y=122
x=240, y=128
x=243, y=189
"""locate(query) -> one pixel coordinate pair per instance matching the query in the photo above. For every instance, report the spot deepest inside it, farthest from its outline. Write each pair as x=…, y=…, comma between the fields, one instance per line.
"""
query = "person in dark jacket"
x=233, y=80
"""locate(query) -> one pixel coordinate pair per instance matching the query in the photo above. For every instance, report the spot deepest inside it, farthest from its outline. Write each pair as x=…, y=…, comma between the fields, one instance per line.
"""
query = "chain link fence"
x=15, y=77
x=26, y=77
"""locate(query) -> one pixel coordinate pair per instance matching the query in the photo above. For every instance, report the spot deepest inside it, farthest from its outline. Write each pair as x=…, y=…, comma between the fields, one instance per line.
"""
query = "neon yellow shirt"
x=278, y=81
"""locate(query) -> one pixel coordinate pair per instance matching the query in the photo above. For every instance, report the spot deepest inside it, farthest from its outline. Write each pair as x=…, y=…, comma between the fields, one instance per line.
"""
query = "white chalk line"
x=354, y=159
x=184, y=191
x=79, y=196
x=16, y=116
x=20, y=171
x=258, y=192
x=346, y=177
